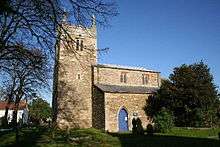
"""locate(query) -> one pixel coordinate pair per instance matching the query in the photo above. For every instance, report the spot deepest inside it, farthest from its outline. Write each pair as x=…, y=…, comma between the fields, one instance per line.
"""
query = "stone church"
x=88, y=94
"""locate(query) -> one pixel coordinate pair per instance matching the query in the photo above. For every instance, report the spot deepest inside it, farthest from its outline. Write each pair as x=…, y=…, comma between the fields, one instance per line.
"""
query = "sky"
x=163, y=34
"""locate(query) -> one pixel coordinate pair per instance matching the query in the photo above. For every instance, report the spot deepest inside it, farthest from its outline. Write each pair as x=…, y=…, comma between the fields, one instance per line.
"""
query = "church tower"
x=72, y=100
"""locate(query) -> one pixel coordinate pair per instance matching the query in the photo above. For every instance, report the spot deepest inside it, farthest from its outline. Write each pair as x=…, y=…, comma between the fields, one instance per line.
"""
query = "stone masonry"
x=110, y=75
x=133, y=103
x=74, y=84
x=88, y=94
x=110, y=103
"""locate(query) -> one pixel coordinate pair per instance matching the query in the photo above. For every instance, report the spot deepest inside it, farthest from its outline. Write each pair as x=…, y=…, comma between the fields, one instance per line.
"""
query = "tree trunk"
x=17, y=102
x=15, y=125
x=5, y=119
x=16, y=131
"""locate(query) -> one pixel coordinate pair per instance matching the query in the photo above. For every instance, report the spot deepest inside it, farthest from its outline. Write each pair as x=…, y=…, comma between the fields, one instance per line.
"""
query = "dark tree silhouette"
x=190, y=94
x=37, y=24
x=25, y=77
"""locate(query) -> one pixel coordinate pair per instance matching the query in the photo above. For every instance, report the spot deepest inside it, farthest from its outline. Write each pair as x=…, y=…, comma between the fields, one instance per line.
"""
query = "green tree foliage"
x=24, y=77
x=163, y=121
x=190, y=94
x=39, y=110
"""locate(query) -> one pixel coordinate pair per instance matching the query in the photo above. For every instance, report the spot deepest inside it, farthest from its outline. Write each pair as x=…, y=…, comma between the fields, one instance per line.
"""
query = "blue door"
x=123, y=120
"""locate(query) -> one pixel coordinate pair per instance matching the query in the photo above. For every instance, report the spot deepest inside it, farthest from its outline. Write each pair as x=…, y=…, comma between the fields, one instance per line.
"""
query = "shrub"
x=150, y=130
x=137, y=128
x=3, y=123
x=164, y=121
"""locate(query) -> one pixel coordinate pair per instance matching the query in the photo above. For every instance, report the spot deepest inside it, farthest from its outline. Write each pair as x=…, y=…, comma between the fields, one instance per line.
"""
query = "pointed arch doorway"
x=123, y=120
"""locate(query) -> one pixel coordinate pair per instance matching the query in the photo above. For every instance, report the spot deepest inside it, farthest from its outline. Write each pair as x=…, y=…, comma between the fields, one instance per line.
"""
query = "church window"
x=145, y=79
x=77, y=44
x=81, y=45
x=123, y=77
x=78, y=76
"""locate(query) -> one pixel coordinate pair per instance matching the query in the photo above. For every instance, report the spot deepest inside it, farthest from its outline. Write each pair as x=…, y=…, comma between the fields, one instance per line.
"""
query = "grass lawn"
x=198, y=133
x=45, y=137
x=178, y=137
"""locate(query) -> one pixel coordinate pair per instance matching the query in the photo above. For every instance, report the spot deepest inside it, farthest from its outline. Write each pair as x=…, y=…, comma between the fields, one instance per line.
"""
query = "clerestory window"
x=145, y=79
x=123, y=77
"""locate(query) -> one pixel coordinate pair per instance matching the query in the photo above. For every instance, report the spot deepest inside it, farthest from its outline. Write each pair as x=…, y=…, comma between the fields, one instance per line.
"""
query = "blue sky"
x=163, y=34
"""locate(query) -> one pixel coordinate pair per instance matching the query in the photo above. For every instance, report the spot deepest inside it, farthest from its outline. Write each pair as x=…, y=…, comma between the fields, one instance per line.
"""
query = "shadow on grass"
x=41, y=136
x=130, y=140
x=27, y=137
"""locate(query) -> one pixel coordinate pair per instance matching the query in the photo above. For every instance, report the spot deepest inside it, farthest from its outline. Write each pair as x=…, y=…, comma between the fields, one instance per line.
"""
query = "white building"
x=22, y=111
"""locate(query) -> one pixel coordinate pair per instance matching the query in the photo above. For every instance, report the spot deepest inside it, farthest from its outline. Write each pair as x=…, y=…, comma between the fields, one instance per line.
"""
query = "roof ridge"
x=125, y=67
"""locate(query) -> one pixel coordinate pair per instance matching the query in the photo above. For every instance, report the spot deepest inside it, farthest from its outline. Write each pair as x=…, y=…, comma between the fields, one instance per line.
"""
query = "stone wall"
x=133, y=103
x=98, y=109
x=111, y=76
x=78, y=105
x=74, y=83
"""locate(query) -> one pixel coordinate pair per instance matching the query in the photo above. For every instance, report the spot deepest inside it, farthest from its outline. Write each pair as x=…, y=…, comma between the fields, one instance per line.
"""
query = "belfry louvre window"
x=123, y=77
x=81, y=45
x=145, y=79
x=77, y=44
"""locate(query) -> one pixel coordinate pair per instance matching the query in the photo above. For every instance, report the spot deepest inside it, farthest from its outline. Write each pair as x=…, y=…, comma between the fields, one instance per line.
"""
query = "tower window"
x=78, y=76
x=81, y=45
x=123, y=77
x=145, y=79
x=77, y=44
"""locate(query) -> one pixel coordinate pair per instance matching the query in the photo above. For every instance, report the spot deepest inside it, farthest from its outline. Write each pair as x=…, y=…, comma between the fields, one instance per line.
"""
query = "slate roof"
x=114, y=66
x=125, y=89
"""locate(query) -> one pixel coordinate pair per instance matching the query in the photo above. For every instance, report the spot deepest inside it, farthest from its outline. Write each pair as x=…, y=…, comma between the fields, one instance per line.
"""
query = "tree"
x=39, y=110
x=163, y=121
x=32, y=24
x=25, y=77
x=27, y=25
x=190, y=94
x=36, y=23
